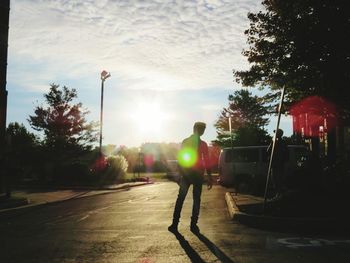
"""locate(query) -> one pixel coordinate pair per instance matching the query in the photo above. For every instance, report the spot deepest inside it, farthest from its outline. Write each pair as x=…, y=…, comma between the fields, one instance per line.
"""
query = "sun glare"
x=149, y=117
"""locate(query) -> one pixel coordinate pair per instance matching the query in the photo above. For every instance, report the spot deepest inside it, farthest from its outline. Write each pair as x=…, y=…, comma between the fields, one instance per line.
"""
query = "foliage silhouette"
x=64, y=123
x=303, y=45
x=248, y=119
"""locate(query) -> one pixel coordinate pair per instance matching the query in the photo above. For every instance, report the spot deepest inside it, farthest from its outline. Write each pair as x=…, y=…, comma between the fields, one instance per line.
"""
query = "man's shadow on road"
x=193, y=255
x=214, y=249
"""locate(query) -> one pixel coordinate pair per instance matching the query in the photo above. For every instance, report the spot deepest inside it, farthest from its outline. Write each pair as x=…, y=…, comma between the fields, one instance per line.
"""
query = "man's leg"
x=184, y=185
x=276, y=174
x=197, y=192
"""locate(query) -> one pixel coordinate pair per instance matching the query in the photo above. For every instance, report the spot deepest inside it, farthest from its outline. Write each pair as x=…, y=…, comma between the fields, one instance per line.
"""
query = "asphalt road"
x=131, y=226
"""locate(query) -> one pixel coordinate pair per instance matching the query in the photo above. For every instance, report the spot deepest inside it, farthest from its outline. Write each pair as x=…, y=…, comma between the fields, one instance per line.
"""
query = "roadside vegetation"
x=63, y=153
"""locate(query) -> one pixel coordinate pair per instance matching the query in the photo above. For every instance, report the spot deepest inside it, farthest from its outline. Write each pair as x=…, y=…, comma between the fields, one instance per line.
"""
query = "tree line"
x=62, y=152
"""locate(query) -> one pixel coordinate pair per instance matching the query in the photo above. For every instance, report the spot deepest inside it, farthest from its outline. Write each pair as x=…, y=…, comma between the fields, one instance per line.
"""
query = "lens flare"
x=187, y=157
x=313, y=114
x=148, y=160
x=100, y=164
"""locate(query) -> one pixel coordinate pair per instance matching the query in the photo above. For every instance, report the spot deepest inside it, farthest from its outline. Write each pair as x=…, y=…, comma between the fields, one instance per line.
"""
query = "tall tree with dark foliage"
x=303, y=45
x=248, y=120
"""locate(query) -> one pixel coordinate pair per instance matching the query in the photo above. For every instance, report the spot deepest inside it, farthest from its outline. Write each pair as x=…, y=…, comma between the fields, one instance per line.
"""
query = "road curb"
x=231, y=205
x=27, y=206
x=14, y=203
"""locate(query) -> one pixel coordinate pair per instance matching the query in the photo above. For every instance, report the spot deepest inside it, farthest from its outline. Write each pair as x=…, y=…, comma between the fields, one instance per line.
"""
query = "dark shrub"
x=75, y=173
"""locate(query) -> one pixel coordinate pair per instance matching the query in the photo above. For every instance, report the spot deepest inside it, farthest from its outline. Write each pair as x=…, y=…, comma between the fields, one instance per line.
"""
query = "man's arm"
x=181, y=170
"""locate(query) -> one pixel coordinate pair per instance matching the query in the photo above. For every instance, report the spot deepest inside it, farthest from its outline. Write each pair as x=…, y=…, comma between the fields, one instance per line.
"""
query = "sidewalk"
x=34, y=197
x=324, y=214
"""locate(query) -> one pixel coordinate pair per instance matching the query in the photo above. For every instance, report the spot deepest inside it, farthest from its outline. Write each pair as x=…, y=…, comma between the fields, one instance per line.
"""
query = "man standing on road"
x=193, y=161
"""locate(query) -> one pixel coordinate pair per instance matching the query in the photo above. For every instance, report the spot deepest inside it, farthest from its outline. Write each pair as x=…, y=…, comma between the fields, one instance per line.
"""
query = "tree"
x=19, y=156
x=64, y=123
x=303, y=45
x=22, y=150
x=19, y=137
x=248, y=120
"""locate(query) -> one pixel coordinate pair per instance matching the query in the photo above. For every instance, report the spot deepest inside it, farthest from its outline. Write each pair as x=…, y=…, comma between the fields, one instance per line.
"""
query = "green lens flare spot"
x=187, y=157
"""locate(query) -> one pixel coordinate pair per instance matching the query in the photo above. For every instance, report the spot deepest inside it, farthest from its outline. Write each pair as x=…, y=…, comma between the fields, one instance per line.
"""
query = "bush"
x=114, y=171
x=117, y=165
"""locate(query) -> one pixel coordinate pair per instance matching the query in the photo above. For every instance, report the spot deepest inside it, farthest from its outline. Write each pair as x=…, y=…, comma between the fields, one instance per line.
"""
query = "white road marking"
x=83, y=218
x=137, y=237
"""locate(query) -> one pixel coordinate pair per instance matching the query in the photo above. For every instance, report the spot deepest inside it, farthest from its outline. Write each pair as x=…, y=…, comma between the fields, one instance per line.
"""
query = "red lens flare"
x=148, y=160
x=313, y=114
x=100, y=164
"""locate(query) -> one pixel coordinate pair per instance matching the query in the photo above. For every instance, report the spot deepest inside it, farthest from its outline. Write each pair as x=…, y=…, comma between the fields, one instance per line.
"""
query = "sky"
x=170, y=62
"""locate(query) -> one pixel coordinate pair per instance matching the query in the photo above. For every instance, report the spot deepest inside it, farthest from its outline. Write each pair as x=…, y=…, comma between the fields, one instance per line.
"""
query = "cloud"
x=212, y=107
x=149, y=44
x=179, y=52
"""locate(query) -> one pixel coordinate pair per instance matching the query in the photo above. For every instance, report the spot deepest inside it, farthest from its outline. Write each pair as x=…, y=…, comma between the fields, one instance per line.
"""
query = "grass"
x=155, y=176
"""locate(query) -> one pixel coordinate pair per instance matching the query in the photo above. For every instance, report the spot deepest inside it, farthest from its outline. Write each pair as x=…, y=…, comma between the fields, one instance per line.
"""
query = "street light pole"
x=104, y=76
x=230, y=129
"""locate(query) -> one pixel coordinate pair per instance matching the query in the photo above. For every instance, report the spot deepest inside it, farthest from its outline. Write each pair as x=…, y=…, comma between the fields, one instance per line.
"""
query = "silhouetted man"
x=278, y=162
x=193, y=161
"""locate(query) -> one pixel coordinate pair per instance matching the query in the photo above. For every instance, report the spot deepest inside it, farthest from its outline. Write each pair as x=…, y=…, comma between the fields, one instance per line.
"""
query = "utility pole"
x=4, y=30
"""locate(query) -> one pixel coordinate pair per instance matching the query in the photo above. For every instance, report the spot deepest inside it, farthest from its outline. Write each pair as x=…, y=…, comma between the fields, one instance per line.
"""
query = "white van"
x=246, y=166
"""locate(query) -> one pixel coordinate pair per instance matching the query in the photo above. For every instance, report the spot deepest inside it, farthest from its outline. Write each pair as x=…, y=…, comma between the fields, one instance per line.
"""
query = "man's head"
x=199, y=128
x=279, y=133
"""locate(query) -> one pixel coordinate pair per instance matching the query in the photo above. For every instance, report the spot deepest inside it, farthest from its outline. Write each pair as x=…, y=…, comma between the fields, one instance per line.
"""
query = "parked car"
x=246, y=167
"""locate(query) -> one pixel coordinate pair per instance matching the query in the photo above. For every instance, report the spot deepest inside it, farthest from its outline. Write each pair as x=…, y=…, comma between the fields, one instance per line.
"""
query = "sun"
x=149, y=117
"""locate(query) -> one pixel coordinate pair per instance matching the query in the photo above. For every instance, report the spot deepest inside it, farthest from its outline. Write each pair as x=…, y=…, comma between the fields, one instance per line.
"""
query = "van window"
x=301, y=154
x=267, y=154
x=242, y=155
